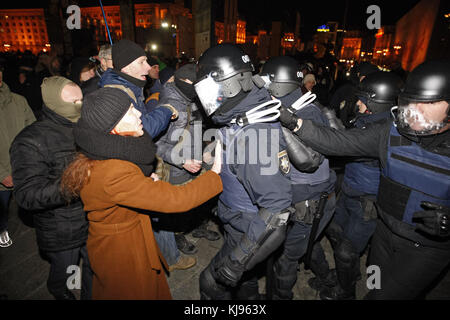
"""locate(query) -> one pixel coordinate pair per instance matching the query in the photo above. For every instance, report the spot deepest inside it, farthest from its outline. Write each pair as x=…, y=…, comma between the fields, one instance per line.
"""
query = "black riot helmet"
x=429, y=83
x=282, y=75
x=379, y=91
x=223, y=71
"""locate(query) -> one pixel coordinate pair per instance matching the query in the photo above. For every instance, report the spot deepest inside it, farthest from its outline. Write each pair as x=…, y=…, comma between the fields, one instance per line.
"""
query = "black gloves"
x=229, y=272
x=287, y=118
x=434, y=220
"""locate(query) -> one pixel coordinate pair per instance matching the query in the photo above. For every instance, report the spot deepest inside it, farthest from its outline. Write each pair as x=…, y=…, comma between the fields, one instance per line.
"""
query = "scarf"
x=98, y=145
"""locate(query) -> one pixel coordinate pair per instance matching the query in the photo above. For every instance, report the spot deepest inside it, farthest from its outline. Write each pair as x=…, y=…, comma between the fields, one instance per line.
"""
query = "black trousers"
x=407, y=268
x=58, y=275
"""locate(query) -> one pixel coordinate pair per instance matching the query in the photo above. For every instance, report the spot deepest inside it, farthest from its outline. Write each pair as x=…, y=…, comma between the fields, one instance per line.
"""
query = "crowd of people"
x=103, y=152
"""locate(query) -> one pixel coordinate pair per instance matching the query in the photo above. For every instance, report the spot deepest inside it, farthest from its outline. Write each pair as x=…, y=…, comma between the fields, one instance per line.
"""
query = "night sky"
x=260, y=13
x=314, y=13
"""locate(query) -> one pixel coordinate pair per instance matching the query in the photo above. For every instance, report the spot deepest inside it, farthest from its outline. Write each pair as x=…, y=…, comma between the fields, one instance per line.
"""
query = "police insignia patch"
x=283, y=162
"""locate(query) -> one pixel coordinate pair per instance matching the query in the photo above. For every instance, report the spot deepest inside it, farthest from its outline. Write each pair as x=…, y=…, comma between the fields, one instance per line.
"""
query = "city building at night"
x=23, y=29
x=219, y=32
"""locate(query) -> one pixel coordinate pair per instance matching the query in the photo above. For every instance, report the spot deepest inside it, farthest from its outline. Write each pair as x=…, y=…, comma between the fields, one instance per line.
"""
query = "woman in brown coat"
x=111, y=177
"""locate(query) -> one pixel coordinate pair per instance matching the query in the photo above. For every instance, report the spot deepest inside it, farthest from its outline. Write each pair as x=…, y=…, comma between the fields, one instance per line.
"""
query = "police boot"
x=347, y=271
x=325, y=278
x=321, y=283
x=248, y=290
x=285, y=276
x=209, y=288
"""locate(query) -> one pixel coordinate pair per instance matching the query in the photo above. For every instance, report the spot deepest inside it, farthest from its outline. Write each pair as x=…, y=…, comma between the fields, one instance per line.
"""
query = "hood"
x=253, y=99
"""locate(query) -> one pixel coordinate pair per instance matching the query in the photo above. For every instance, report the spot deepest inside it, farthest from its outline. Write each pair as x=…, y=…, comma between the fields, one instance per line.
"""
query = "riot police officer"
x=283, y=80
x=355, y=218
x=411, y=243
x=255, y=204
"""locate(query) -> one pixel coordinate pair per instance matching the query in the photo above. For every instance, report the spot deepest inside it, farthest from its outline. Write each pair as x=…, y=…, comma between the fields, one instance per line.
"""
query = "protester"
x=111, y=174
x=39, y=155
x=15, y=114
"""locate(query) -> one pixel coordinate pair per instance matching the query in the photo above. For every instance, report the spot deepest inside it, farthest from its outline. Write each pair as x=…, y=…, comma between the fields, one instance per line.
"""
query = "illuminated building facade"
x=325, y=39
x=384, y=43
x=351, y=46
x=240, y=31
x=23, y=29
x=219, y=32
x=168, y=16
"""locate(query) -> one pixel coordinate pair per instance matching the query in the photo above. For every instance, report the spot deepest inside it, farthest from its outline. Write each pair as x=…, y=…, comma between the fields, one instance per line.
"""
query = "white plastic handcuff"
x=255, y=116
x=304, y=100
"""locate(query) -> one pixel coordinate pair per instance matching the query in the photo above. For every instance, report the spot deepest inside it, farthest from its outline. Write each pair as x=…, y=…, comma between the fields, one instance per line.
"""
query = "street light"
x=164, y=25
x=154, y=47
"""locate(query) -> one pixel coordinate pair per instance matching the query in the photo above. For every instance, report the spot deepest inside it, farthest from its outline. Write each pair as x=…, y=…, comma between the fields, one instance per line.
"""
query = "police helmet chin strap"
x=394, y=116
x=254, y=116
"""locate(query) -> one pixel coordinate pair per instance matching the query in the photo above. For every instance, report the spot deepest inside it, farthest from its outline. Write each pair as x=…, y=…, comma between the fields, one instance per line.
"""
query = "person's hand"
x=173, y=110
x=154, y=176
x=192, y=165
x=217, y=165
x=288, y=119
x=434, y=220
x=8, y=182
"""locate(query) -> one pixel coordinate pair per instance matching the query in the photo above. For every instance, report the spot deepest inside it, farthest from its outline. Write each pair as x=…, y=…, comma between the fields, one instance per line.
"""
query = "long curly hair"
x=75, y=176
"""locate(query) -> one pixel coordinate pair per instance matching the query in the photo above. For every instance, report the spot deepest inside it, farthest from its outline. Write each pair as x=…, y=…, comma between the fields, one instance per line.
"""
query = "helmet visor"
x=210, y=94
x=419, y=118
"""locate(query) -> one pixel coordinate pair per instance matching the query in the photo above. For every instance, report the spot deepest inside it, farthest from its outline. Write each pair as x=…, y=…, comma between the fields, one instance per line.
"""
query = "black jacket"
x=39, y=155
x=372, y=141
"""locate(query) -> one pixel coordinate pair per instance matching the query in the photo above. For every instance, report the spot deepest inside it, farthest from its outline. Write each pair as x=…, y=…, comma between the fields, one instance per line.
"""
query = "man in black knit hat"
x=129, y=74
x=180, y=94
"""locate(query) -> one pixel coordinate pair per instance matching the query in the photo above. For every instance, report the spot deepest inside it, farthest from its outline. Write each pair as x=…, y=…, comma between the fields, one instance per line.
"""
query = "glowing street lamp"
x=164, y=25
x=154, y=47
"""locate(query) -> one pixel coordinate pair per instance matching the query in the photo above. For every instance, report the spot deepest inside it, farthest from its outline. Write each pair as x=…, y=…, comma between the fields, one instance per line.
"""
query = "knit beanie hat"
x=186, y=72
x=104, y=108
x=125, y=52
x=76, y=67
x=51, y=89
x=166, y=74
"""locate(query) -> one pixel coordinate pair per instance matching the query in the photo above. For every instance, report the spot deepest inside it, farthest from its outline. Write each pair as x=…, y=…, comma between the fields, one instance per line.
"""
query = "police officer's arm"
x=354, y=142
x=371, y=141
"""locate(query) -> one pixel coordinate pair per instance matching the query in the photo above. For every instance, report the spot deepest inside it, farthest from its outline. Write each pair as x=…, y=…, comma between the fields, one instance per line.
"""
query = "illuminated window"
x=163, y=13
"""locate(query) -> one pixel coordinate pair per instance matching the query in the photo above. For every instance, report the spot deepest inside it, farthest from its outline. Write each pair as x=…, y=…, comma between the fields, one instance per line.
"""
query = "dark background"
x=259, y=14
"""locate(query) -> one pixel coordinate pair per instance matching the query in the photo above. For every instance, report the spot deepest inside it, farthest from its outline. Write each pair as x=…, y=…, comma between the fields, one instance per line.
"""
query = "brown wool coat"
x=122, y=250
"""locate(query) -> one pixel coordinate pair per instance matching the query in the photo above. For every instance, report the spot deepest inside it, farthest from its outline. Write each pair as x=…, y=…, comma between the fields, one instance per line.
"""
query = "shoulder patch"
x=283, y=162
